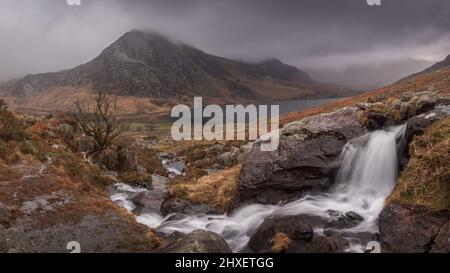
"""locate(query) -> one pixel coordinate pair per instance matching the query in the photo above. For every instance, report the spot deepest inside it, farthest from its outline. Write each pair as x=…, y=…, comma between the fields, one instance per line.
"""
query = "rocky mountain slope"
x=149, y=65
x=439, y=65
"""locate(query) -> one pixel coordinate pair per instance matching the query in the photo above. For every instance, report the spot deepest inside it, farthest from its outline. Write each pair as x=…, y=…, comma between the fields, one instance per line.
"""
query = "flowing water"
x=366, y=177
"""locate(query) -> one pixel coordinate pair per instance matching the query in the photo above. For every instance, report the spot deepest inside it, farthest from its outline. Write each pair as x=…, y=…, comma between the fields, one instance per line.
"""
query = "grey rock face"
x=413, y=229
x=306, y=160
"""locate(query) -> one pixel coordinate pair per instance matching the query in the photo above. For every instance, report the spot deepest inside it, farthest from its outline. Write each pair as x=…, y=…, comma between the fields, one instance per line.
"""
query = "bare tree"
x=99, y=121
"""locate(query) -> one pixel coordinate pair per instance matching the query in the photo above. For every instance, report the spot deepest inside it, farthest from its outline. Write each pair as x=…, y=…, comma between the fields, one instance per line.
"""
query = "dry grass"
x=426, y=179
x=216, y=189
x=280, y=242
x=62, y=98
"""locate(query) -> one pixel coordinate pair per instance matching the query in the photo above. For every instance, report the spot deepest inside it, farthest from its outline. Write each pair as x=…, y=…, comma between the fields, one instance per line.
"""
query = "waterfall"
x=366, y=177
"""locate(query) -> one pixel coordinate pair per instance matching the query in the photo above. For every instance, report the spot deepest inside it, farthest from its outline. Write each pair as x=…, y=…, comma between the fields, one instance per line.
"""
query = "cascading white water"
x=365, y=178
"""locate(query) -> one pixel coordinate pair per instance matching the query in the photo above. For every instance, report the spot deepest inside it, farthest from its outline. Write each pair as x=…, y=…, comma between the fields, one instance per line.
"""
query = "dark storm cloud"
x=45, y=35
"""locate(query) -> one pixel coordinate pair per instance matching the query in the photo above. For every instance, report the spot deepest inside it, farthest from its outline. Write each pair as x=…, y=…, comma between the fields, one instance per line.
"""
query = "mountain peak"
x=149, y=64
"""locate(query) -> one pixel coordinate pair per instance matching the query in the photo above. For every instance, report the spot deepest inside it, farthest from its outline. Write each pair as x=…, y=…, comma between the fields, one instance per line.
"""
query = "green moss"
x=426, y=179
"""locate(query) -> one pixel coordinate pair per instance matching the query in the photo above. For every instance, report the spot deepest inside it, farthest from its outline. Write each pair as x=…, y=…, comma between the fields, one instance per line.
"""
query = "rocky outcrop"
x=198, y=241
x=391, y=111
x=414, y=229
x=183, y=206
x=306, y=159
x=416, y=126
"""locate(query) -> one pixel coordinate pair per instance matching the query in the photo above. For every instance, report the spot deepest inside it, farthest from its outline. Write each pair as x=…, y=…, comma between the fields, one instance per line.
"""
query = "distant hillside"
x=439, y=65
x=435, y=79
x=149, y=65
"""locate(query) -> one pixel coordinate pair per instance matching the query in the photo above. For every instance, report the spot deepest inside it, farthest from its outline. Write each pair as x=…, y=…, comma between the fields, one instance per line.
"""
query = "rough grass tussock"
x=426, y=179
x=217, y=189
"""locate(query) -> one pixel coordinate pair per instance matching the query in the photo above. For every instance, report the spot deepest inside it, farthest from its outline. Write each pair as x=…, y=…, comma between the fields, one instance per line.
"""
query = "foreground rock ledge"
x=414, y=229
x=306, y=160
x=198, y=241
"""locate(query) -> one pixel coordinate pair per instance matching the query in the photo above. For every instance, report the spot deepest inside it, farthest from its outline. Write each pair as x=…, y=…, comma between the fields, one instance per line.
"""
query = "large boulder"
x=198, y=241
x=418, y=124
x=183, y=206
x=299, y=231
x=306, y=159
x=413, y=229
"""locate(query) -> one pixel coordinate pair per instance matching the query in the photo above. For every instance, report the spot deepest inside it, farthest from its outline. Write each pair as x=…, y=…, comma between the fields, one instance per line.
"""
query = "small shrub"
x=150, y=161
x=280, y=242
x=6, y=150
x=25, y=148
x=10, y=126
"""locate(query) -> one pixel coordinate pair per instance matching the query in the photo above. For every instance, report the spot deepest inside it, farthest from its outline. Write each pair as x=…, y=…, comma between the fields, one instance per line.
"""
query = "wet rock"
x=376, y=120
x=198, y=241
x=412, y=229
x=343, y=221
x=442, y=240
x=319, y=244
x=306, y=160
x=138, y=198
x=147, y=202
x=178, y=205
x=299, y=229
x=354, y=216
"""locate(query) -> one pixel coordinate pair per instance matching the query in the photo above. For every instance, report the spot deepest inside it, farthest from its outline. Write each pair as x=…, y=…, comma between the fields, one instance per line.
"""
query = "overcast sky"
x=314, y=35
